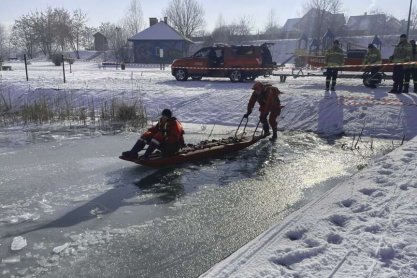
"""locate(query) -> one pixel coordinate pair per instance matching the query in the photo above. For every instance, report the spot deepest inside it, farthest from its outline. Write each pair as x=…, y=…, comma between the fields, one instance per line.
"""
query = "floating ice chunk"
x=23, y=272
x=11, y=260
x=18, y=243
x=81, y=198
x=60, y=248
x=15, y=219
x=38, y=246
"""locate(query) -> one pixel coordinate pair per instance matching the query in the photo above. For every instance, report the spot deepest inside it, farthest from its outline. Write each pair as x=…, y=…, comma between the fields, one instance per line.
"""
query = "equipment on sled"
x=204, y=149
x=371, y=79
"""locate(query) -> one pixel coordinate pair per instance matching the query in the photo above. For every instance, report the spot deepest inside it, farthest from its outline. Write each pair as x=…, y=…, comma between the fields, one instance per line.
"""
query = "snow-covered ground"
x=362, y=228
x=365, y=227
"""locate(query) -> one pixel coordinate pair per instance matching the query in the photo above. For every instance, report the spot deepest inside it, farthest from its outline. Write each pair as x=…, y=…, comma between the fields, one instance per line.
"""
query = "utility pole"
x=26, y=67
x=409, y=16
x=63, y=67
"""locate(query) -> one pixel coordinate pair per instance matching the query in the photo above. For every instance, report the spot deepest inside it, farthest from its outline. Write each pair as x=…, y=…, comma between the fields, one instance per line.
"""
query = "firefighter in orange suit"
x=166, y=135
x=269, y=104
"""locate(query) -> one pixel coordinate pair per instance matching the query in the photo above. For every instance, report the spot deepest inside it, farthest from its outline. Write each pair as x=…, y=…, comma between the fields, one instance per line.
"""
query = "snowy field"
x=361, y=228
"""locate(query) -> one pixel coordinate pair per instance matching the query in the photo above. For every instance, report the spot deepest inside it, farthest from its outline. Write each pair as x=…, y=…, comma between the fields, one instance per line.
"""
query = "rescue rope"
x=211, y=68
x=372, y=65
x=240, y=102
x=274, y=68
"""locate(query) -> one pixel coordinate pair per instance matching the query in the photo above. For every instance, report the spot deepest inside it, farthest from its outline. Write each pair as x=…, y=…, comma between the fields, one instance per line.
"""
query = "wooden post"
x=63, y=67
x=26, y=68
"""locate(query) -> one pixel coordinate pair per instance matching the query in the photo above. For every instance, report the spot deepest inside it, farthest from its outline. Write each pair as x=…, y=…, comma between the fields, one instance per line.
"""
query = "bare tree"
x=234, y=33
x=23, y=35
x=77, y=31
x=322, y=8
x=3, y=45
x=271, y=26
x=62, y=25
x=52, y=30
x=117, y=39
x=41, y=28
x=133, y=21
x=87, y=37
x=220, y=34
x=244, y=26
x=332, y=6
x=186, y=16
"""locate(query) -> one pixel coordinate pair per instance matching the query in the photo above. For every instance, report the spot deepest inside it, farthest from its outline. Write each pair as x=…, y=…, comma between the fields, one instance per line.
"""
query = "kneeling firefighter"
x=166, y=135
x=269, y=104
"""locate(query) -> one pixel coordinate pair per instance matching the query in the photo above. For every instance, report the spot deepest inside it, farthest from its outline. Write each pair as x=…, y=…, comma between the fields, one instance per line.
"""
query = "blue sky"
x=112, y=10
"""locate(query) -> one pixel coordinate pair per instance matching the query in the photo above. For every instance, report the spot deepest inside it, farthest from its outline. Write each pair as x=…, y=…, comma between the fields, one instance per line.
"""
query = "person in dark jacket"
x=267, y=97
x=166, y=135
x=372, y=57
x=334, y=58
x=402, y=53
x=411, y=70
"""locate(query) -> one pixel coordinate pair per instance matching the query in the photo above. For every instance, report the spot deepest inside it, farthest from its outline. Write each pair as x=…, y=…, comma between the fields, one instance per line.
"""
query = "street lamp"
x=409, y=16
x=117, y=44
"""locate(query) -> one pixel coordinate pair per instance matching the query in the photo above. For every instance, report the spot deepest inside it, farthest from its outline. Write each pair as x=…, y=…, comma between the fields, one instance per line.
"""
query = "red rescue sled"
x=203, y=150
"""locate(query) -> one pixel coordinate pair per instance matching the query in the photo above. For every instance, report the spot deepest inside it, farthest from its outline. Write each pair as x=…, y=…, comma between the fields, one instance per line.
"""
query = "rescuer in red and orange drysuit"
x=269, y=104
x=166, y=135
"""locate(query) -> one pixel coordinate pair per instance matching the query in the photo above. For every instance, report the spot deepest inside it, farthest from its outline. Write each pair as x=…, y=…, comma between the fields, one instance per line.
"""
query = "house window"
x=157, y=51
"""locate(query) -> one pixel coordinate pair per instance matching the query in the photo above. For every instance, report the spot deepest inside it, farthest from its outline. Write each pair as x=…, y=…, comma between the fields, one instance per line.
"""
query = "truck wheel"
x=181, y=75
x=236, y=76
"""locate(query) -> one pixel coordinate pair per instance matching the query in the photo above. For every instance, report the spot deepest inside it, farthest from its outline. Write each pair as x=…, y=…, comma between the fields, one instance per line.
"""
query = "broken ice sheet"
x=18, y=243
x=11, y=260
x=60, y=248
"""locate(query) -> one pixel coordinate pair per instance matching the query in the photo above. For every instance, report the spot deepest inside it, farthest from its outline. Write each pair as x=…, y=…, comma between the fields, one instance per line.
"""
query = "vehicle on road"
x=237, y=62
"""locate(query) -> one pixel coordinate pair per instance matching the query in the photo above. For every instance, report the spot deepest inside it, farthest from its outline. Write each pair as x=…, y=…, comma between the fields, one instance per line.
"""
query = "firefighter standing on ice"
x=268, y=98
x=402, y=53
x=334, y=58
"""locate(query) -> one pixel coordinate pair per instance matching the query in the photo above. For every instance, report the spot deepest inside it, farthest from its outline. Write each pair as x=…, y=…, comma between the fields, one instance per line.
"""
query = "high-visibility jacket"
x=268, y=101
x=334, y=57
x=413, y=56
x=373, y=56
x=169, y=131
x=402, y=52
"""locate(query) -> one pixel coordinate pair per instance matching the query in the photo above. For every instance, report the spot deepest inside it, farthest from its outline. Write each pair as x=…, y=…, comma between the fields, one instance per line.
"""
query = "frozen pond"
x=82, y=212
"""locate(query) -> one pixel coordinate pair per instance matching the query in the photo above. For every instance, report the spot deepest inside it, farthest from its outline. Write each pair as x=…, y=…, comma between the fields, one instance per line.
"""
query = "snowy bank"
x=364, y=227
x=352, y=109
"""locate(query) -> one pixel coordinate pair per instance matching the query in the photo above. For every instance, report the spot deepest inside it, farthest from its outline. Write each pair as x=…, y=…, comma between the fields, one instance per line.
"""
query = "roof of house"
x=364, y=22
x=290, y=24
x=310, y=17
x=159, y=31
x=307, y=21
